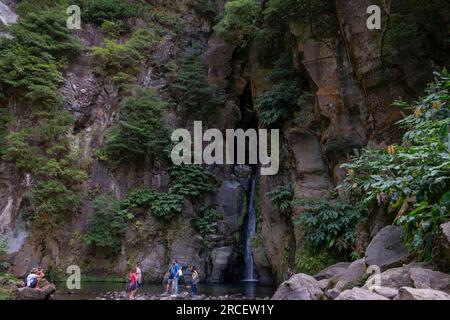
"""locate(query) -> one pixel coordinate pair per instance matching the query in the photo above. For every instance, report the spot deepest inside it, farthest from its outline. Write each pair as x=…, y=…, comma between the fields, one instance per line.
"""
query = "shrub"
x=164, y=206
x=141, y=130
x=413, y=178
x=4, y=264
x=240, y=19
x=116, y=11
x=328, y=224
x=107, y=224
x=191, y=180
x=282, y=197
x=208, y=216
x=276, y=103
x=123, y=62
x=53, y=198
x=194, y=93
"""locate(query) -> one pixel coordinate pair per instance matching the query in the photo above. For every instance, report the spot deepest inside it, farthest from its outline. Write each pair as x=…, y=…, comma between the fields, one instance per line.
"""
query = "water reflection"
x=91, y=290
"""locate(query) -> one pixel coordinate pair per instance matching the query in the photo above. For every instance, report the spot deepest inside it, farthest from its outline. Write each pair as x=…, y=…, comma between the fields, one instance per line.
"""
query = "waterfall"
x=7, y=16
x=250, y=272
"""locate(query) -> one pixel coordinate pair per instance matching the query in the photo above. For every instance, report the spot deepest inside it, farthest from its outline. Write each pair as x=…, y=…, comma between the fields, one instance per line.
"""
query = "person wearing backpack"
x=177, y=273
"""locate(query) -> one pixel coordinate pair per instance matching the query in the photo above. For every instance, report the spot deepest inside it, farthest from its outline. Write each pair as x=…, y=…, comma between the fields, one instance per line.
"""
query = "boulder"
x=387, y=292
x=429, y=279
x=44, y=293
x=299, y=287
x=396, y=278
x=407, y=293
x=332, y=271
x=360, y=294
x=386, y=250
x=444, y=243
x=353, y=277
x=220, y=257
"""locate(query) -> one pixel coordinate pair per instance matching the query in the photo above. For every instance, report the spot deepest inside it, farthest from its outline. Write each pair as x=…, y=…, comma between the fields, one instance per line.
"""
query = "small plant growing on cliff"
x=164, y=206
x=107, y=224
x=282, y=197
x=208, y=216
x=192, y=180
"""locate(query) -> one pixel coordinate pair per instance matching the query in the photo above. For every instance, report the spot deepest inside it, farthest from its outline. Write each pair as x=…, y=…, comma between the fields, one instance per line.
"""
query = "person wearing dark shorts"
x=132, y=285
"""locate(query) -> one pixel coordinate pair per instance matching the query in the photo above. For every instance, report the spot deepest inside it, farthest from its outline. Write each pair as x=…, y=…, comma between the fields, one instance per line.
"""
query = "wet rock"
x=333, y=270
x=386, y=250
x=44, y=293
x=299, y=287
x=360, y=294
x=220, y=257
x=407, y=293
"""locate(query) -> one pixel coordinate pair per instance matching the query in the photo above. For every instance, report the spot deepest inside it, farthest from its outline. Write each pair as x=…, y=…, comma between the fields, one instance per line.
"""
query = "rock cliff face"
x=351, y=83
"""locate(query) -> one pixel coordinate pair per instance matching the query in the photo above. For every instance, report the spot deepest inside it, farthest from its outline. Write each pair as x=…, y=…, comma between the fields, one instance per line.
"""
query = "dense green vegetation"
x=276, y=103
x=282, y=197
x=107, y=224
x=192, y=181
x=36, y=137
x=329, y=224
x=208, y=216
x=248, y=20
x=413, y=179
x=162, y=205
x=4, y=264
x=192, y=90
x=140, y=132
x=122, y=62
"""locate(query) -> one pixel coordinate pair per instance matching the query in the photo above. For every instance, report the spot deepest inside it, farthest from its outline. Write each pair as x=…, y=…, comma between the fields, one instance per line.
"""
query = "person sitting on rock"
x=40, y=278
x=32, y=278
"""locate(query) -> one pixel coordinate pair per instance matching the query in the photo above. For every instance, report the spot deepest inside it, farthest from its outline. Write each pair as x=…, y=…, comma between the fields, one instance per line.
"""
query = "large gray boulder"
x=386, y=250
x=333, y=270
x=299, y=287
x=360, y=294
x=354, y=276
x=429, y=279
x=396, y=278
x=44, y=293
x=406, y=293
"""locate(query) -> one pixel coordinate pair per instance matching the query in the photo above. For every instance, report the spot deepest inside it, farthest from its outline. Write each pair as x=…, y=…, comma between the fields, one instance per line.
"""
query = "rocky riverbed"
x=182, y=296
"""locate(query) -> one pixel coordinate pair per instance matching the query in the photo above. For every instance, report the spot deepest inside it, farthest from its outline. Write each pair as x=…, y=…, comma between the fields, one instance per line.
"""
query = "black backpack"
x=25, y=278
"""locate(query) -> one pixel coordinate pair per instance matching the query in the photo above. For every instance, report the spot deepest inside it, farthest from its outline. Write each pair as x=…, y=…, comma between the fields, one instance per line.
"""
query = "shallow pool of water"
x=91, y=290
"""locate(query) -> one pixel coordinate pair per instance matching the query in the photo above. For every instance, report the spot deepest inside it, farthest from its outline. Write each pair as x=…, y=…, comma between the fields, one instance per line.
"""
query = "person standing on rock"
x=195, y=279
x=132, y=285
x=176, y=273
x=138, y=275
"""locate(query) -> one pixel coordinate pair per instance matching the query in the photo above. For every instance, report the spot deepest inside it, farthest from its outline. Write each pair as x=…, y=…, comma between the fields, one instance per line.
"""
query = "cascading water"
x=249, y=271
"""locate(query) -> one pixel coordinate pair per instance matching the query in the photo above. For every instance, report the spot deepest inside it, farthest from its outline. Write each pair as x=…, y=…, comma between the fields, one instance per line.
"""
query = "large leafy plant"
x=413, y=178
x=329, y=224
x=107, y=224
